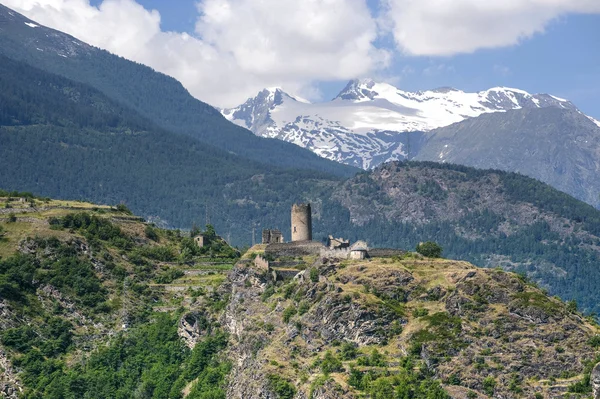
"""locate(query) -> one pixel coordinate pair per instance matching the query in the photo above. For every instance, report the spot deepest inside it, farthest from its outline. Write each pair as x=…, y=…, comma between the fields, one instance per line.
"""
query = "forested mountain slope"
x=157, y=97
x=68, y=140
x=491, y=218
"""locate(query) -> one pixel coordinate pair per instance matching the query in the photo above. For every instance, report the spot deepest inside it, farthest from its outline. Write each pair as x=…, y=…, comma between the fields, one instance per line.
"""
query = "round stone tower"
x=301, y=222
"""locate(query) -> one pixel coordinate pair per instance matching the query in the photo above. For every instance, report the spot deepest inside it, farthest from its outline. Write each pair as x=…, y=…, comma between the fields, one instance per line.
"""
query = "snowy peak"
x=368, y=122
x=255, y=113
x=358, y=90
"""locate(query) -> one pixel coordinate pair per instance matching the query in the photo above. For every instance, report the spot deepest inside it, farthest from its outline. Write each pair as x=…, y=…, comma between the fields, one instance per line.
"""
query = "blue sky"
x=541, y=46
x=564, y=61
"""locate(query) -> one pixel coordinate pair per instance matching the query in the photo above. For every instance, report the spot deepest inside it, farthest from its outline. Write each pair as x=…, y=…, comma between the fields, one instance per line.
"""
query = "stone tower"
x=301, y=222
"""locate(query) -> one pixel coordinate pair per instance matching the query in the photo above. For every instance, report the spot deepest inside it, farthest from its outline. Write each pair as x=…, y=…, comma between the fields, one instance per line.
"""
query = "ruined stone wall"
x=261, y=263
x=301, y=222
x=338, y=253
x=299, y=248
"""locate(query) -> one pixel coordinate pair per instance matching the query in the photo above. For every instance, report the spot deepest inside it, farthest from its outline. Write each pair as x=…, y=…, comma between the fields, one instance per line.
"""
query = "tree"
x=430, y=249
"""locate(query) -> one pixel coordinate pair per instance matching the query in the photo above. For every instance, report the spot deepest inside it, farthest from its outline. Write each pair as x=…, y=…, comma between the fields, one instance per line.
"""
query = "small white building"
x=359, y=250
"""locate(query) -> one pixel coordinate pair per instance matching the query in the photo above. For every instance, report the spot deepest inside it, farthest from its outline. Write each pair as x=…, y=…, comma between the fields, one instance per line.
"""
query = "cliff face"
x=345, y=329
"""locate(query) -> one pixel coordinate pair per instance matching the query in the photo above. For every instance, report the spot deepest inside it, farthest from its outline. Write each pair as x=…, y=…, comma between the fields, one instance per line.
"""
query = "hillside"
x=402, y=327
x=68, y=140
x=154, y=96
x=490, y=218
x=95, y=304
x=560, y=147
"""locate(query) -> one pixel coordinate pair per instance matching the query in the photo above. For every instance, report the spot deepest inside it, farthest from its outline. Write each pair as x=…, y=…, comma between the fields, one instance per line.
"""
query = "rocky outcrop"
x=10, y=388
x=465, y=324
x=595, y=381
x=192, y=327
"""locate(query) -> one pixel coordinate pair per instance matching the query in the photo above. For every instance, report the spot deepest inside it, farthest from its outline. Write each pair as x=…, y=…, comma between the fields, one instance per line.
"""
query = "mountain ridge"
x=367, y=122
x=155, y=96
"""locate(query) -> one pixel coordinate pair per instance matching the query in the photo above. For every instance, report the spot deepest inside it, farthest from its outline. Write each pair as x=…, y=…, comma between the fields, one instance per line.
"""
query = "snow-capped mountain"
x=369, y=122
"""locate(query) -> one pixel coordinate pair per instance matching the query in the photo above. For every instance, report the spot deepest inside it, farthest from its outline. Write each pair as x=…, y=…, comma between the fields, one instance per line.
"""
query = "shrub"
x=124, y=209
x=430, y=249
x=12, y=218
x=489, y=385
x=151, y=233
x=281, y=387
x=168, y=276
x=331, y=364
x=267, y=293
x=288, y=313
x=375, y=359
x=594, y=341
x=348, y=351
x=314, y=275
x=303, y=308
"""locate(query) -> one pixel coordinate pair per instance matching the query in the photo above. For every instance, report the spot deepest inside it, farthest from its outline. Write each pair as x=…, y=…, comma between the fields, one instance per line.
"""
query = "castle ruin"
x=272, y=236
x=301, y=222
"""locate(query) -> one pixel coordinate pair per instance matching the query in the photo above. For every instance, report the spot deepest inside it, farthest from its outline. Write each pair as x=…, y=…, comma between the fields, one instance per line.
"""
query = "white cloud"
x=239, y=47
x=448, y=27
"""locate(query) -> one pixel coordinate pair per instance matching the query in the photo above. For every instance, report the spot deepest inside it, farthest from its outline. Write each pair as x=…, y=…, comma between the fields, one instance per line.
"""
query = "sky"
x=224, y=51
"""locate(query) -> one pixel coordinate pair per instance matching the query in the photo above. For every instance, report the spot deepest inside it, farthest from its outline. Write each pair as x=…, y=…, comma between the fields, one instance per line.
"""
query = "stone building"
x=301, y=222
x=337, y=243
x=359, y=250
x=200, y=240
x=273, y=236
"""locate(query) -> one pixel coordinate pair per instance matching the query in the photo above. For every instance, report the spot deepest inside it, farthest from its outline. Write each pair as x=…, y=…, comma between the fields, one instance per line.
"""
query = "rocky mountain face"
x=370, y=123
x=359, y=328
x=557, y=146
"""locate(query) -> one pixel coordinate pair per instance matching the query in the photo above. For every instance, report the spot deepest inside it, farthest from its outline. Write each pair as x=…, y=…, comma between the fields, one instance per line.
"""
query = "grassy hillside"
x=404, y=327
x=92, y=302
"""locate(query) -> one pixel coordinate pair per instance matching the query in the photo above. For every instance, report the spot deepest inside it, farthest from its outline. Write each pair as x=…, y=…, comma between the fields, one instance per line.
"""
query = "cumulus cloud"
x=448, y=27
x=239, y=47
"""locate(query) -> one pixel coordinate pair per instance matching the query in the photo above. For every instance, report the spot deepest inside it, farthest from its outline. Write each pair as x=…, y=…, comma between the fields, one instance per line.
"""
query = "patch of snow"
x=31, y=25
x=562, y=100
x=597, y=122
